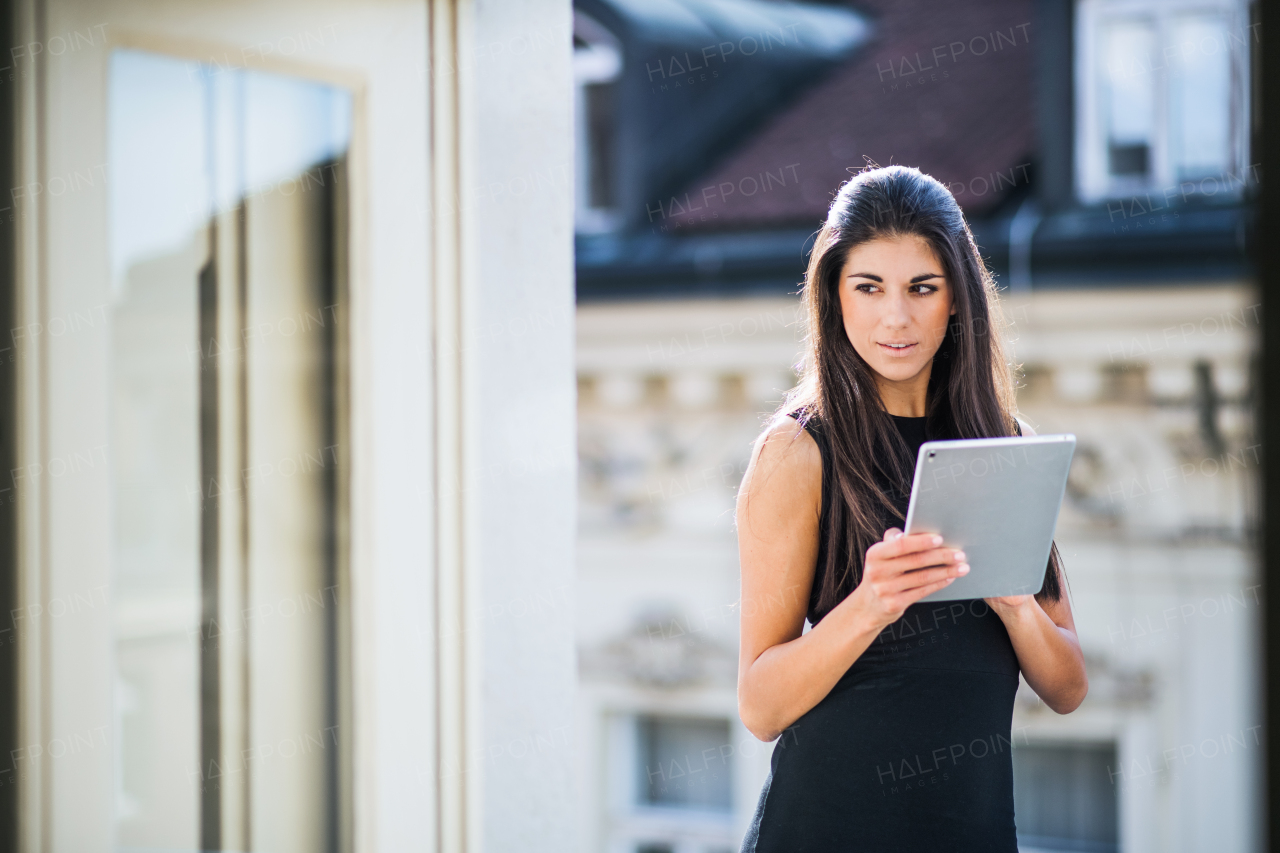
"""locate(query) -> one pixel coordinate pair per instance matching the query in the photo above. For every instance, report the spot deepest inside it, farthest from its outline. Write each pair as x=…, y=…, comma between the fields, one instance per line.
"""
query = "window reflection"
x=1199, y=82
x=228, y=251
x=1130, y=95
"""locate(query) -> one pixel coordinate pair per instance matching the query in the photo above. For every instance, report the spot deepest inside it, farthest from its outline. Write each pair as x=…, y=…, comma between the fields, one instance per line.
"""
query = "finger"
x=925, y=577
x=917, y=591
x=906, y=544
x=891, y=534
x=925, y=559
x=920, y=592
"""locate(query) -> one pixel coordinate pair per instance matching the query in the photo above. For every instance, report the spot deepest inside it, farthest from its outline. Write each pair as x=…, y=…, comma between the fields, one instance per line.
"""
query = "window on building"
x=597, y=65
x=685, y=763
x=1129, y=95
x=1162, y=98
x=1064, y=797
x=671, y=788
x=599, y=101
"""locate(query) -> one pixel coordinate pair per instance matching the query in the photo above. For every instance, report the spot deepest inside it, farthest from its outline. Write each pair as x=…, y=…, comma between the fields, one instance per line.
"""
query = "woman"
x=892, y=717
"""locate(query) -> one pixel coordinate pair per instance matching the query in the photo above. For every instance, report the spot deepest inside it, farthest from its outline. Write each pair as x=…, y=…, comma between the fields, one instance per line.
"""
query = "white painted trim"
x=32, y=441
x=393, y=713
x=454, y=833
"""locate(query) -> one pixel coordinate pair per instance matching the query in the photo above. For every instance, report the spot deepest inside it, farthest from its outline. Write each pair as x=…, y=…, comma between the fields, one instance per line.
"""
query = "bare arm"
x=782, y=672
x=1044, y=639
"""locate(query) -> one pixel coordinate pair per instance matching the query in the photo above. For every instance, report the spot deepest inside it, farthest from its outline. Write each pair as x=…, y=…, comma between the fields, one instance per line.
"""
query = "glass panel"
x=1065, y=797
x=597, y=62
x=686, y=763
x=159, y=242
x=292, y=130
x=1128, y=95
x=1200, y=96
x=600, y=107
x=227, y=218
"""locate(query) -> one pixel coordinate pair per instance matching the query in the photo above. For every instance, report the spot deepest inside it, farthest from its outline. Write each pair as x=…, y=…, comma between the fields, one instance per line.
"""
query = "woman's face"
x=896, y=305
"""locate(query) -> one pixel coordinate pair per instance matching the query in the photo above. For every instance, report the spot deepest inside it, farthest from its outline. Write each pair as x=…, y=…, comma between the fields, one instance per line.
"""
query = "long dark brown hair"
x=970, y=392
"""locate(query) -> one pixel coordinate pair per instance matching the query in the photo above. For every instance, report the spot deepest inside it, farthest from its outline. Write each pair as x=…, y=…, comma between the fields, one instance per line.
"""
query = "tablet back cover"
x=997, y=499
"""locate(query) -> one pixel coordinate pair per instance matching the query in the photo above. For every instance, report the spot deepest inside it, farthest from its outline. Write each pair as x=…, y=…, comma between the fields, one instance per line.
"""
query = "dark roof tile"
x=946, y=87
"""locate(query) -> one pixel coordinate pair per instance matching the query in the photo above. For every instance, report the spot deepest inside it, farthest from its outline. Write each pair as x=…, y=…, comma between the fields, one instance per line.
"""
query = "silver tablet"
x=997, y=499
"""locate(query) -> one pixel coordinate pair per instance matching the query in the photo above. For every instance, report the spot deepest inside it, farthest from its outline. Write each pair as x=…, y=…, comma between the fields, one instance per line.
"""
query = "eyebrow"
x=922, y=277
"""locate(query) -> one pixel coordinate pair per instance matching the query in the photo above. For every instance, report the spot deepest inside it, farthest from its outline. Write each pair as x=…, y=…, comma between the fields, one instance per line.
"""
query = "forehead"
x=885, y=254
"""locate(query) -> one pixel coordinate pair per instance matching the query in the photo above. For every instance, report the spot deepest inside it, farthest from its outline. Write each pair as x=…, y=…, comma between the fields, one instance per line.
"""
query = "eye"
x=865, y=288
x=924, y=289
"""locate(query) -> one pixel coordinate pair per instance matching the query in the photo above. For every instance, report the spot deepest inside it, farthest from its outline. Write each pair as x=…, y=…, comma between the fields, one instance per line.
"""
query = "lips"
x=897, y=348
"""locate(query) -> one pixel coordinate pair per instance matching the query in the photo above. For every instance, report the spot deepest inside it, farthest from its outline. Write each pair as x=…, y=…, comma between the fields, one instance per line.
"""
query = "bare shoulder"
x=787, y=445
x=785, y=462
x=1026, y=427
x=780, y=501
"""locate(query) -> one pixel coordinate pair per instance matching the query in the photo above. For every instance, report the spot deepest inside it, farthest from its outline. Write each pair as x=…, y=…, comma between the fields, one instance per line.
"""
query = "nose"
x=896, y=315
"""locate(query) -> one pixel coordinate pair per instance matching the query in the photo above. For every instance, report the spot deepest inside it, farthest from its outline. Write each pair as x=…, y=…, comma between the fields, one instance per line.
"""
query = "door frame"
x=66, y=666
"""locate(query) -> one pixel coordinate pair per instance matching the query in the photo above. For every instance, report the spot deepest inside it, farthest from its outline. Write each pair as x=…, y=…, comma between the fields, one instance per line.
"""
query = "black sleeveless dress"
x=910, y=749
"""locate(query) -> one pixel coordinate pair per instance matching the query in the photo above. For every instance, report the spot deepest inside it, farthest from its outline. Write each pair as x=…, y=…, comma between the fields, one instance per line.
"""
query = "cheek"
x=942, y=316
x=937, y=322
x=858, y=325
x=853, y=318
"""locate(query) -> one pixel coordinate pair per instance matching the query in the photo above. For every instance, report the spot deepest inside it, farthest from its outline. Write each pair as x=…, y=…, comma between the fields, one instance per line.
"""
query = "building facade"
x=1155, y=533
x=1117, y=227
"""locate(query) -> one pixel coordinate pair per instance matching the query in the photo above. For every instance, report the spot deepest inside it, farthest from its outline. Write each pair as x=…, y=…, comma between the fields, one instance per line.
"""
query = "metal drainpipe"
x=1022, y=230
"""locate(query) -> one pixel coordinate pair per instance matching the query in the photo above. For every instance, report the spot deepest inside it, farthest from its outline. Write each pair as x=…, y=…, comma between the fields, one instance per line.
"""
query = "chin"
x=898, y=372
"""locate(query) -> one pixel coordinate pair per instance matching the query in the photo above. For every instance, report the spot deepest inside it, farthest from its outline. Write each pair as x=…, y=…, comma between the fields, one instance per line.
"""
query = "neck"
x=905, y=398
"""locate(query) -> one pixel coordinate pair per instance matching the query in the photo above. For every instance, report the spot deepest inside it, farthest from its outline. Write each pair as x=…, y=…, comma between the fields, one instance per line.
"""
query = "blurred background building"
x=1103, y=152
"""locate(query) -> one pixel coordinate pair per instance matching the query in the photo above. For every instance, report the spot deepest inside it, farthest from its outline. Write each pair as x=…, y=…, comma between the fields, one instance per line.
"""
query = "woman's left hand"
x=1010, y=602
x=1044, y=639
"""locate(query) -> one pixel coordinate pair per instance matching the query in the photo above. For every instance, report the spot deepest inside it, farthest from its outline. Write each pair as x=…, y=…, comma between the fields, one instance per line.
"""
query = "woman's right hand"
x=900, y=570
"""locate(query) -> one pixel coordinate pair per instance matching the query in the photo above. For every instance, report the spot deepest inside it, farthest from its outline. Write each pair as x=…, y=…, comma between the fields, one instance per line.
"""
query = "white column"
x=517, y=420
